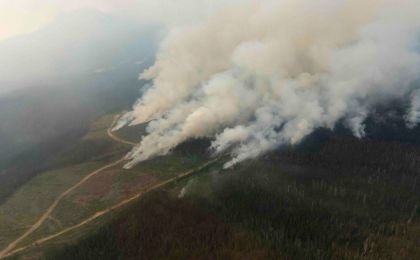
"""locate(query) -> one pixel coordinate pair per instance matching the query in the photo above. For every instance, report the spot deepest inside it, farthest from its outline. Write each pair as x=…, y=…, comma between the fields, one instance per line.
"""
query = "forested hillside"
x=342, y=198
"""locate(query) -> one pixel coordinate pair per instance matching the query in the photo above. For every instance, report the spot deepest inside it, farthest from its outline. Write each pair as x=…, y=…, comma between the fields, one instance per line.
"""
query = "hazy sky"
x=23, y=16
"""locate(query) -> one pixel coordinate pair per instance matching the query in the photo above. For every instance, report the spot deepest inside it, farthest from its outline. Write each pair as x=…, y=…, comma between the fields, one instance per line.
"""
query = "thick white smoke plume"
x=267, y=73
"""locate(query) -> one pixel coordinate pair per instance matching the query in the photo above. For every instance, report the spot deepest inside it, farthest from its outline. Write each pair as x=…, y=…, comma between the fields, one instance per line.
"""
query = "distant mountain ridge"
x=74, y=43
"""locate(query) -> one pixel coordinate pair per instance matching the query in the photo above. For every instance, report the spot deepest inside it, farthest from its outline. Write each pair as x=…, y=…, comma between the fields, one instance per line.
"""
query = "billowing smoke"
x=267, y=73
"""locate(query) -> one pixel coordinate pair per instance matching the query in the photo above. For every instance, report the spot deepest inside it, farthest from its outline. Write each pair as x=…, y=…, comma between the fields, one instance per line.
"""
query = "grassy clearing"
x=25, y=206
x=69, y=238
x=108, y=187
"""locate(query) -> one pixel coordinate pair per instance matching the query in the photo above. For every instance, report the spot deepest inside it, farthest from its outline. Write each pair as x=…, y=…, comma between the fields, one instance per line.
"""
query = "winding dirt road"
x=53, y=206
x=112, y=208
x=10, y=249
x=116, y=138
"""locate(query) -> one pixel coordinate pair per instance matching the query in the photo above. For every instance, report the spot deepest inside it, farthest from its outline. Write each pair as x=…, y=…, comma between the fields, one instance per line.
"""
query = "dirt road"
x=112, y=208
x=53, y=206
x=10, y=249
x=116, y=138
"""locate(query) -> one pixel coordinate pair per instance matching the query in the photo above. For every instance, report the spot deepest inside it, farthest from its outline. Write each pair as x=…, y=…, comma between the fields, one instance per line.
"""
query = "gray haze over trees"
x=55, y=81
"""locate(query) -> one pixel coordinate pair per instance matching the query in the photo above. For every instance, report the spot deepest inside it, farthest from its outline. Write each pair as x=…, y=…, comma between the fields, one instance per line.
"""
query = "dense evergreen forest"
x=338, y=198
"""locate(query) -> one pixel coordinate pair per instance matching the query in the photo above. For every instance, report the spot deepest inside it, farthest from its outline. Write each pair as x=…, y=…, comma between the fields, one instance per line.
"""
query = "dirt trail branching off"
x=112, y=208
x=10, y=249
x=53, y=206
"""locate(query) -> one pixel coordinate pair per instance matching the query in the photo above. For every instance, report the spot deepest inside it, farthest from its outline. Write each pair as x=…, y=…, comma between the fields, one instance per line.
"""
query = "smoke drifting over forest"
x=261, y=74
